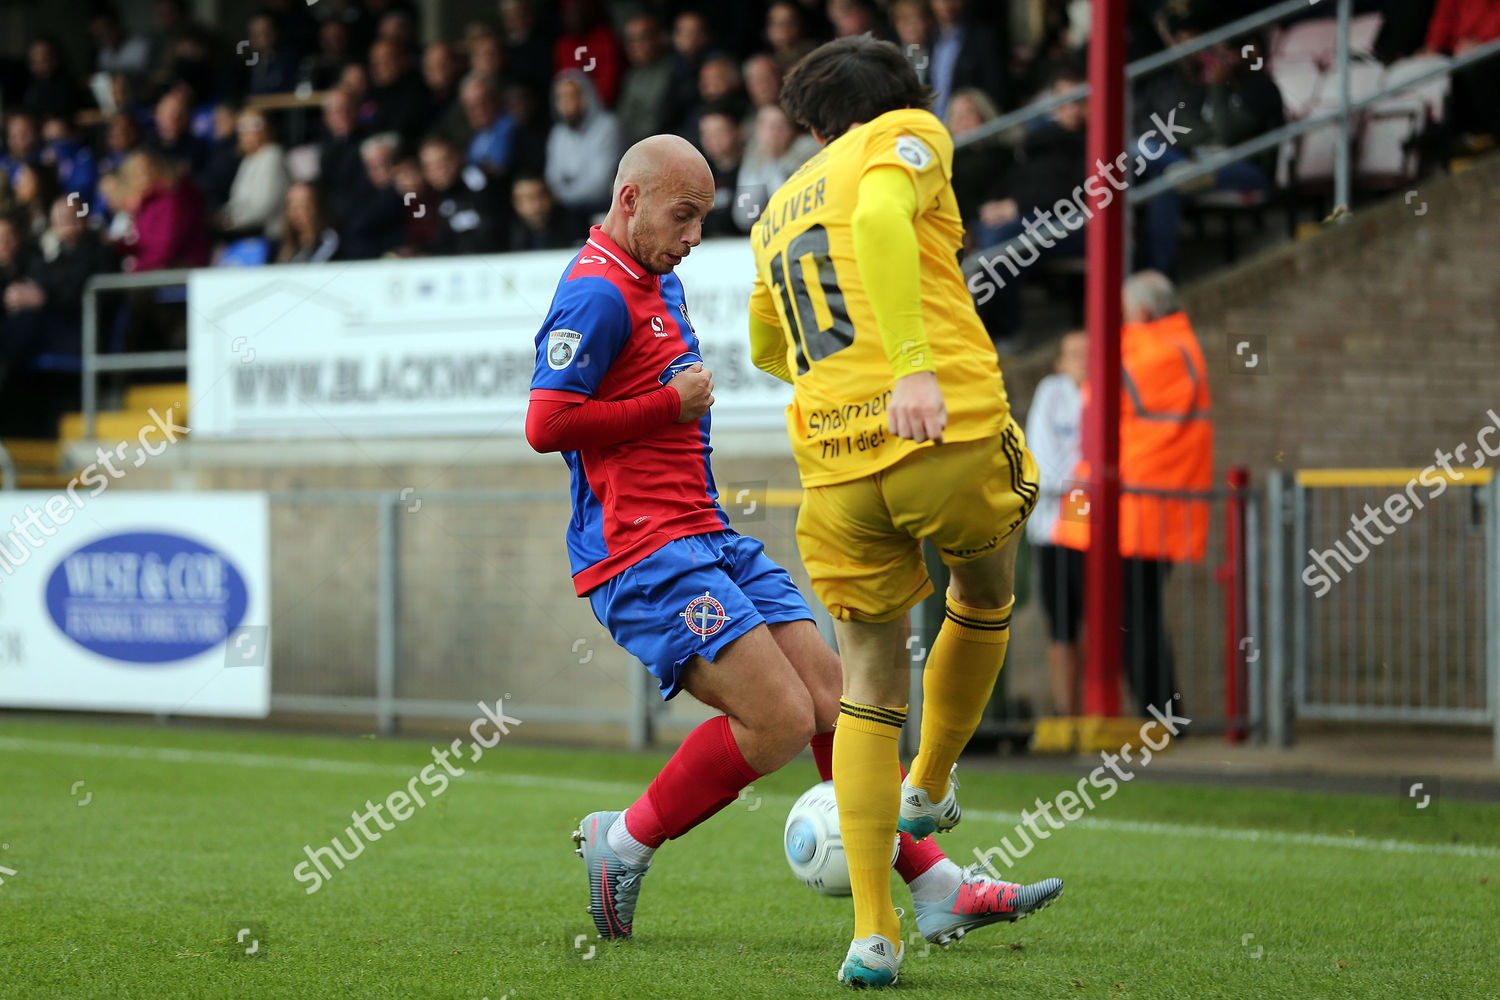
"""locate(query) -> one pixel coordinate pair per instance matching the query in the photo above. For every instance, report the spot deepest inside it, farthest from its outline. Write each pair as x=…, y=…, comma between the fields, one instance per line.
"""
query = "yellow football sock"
x=867, y=783
x=961, y=669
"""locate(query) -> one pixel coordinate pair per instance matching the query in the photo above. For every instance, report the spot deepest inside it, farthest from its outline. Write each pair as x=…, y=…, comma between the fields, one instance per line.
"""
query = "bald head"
x=663, y=190
x=662, y=161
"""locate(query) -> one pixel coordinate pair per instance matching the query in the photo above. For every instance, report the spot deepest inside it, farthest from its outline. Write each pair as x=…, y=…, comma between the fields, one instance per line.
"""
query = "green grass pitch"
x=189, y=835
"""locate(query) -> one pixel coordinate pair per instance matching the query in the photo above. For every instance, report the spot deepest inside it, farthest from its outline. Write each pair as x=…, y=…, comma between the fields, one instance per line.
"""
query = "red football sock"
x=822, y=748
x=915, y=857
x=703, y=776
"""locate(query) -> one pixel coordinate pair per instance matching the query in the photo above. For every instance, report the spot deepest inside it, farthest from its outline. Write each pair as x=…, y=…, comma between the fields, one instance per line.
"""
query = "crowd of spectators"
x=338, y=132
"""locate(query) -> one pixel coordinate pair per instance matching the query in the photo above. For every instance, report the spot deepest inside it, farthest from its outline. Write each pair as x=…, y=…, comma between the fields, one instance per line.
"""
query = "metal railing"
x=96, y=362
x=1199, y=167
x=1399, y=627
x=389, y=607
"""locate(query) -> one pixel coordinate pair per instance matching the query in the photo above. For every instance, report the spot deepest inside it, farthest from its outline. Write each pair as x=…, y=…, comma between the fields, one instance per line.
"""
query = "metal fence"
x=417, y=605
x=397, y=605
x=1376, y=625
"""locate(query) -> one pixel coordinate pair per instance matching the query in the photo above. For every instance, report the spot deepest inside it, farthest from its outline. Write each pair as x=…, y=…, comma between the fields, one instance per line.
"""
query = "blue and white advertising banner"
x=430, y=347
x=135, y=602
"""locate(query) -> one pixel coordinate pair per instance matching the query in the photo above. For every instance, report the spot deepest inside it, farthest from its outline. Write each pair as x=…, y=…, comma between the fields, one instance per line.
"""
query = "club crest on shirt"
x=562, y=345
x=704, y=616
x=913, y=151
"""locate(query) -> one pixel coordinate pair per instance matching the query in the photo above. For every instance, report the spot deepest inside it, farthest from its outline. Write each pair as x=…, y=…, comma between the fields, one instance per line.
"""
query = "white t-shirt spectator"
x=1054, y=436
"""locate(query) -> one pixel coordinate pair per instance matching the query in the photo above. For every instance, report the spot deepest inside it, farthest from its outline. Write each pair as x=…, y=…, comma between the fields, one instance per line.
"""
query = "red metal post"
x=1233, y=577
x=1101, y=428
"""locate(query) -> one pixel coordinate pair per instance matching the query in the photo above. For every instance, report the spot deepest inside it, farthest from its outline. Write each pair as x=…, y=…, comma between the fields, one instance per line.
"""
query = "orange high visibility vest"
x=1166, y=445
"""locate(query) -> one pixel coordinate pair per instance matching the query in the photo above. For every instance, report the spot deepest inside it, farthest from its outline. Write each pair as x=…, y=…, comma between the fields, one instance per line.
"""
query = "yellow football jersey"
x=808, y=283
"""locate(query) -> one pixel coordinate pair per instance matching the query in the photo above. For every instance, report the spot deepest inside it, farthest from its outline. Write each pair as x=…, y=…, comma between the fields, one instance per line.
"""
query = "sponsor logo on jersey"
x=592, y=259
x=704, y=616
x=562, y=345
x=658, y=327
x=681, y=363
x=913, y=151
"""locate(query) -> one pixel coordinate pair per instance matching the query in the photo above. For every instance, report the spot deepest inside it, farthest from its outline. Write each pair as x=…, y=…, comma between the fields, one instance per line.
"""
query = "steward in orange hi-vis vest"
x=1166, y=447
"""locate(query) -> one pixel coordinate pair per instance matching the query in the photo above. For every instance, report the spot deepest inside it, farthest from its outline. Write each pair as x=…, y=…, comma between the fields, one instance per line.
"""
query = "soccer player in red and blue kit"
x=621, y=390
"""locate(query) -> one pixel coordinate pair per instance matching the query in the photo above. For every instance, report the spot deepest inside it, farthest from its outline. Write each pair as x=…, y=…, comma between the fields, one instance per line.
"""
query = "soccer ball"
x=814, y=846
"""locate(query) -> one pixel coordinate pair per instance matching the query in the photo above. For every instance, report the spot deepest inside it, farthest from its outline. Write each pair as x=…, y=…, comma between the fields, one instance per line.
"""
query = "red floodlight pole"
x=1101, y=433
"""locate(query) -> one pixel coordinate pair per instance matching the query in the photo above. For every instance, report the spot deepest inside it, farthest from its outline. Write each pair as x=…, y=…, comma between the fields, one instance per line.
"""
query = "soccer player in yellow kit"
x=901, y=431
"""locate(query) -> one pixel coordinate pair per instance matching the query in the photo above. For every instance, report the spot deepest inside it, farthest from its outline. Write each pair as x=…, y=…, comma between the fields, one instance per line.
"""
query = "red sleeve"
x=1442, y=30
x=567, y=421
x=1489, y=28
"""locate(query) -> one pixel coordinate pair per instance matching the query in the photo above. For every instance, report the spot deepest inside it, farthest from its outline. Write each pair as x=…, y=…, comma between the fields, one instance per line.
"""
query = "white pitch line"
x=320, y=765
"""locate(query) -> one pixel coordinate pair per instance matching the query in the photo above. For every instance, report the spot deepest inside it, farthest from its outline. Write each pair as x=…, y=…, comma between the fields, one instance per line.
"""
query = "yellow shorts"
x=861, y=541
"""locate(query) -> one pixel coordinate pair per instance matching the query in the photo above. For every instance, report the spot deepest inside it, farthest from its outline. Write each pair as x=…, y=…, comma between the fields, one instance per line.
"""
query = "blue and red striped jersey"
x=616, y=332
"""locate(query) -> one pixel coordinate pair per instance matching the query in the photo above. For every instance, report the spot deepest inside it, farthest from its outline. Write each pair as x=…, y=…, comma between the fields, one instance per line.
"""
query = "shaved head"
x=662, y=160
x=663, y=190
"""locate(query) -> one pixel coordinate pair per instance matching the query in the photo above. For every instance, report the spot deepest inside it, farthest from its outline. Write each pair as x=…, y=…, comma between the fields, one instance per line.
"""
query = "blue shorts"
x=692, y=597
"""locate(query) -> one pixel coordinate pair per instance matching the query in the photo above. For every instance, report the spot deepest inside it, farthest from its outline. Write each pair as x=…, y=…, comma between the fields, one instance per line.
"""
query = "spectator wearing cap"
x=260, y=183
x=1212, y=101
x=583, y=147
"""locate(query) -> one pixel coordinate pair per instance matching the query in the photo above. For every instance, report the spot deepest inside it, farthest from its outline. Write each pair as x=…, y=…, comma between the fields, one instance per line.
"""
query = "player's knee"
x=794, y=724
